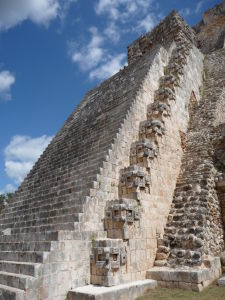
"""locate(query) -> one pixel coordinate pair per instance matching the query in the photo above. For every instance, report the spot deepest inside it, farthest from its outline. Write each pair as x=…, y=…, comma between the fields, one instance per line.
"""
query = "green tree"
x=4, y=200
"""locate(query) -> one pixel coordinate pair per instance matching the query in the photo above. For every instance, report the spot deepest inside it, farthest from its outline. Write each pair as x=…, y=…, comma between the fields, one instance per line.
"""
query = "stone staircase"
x=111, y=256
x=53, y=237
x=44, y=251
x=195, y=214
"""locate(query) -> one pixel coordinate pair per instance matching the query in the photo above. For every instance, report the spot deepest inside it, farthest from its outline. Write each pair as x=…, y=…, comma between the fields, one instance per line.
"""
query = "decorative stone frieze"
x=159, y=110
x=134, y=180
x=164, y=94
x=121, y=217
x=107, y=260
x=152, y=129
x=143, y=152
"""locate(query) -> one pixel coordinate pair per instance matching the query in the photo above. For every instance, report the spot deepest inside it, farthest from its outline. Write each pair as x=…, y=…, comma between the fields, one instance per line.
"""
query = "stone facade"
x=210, y=32
x=133, y=183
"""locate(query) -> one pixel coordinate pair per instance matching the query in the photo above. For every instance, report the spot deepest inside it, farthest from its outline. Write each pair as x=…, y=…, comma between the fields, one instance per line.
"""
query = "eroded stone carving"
x=159, y=110
x=165, y=93
x=151, y=129
x=134, y=180
x=143, y=152
x=106, y=261
x=220, y=181
x=120, y=218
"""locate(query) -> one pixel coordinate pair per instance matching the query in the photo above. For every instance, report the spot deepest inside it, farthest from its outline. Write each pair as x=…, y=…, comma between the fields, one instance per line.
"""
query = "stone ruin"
x=132, y=188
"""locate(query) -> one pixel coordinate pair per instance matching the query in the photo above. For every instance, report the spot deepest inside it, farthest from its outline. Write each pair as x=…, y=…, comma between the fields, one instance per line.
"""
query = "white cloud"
x=112, y=32
x=7, y=79
x=90, y=55
x=121, y=16
x=121, y=9
x=21, y=154
x=41, y=12
x=147, y=24
x=38, y=11
x=94, y=58
x=185, y=12
x=9, y=188
x=109, y=68
x=199, y=6
x=65, y=8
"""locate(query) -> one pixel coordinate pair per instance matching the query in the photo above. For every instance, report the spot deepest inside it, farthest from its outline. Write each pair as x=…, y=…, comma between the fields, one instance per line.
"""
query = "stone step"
x=43, y=228
x=28, y=215
x=10, y=293
x=130, y=291
x=22, y=256
x=25, y=268
x=42, y=208
x=18, y=281
x=26, y=246
x=54, y=204
x=43, y=221
x=40, y=236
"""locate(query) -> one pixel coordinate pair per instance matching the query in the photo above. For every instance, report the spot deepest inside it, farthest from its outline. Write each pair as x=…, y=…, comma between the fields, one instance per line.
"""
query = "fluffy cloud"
x=147, y=24
x=121, y=17
x=9, y=188
x=199, y=6
x=95, y=58
x=112, y=32
x=109, y=68
x=121, y=9
x=21, y=154
x=90, y=55
x=40, y=12
x=7, y=79
x=185, y=12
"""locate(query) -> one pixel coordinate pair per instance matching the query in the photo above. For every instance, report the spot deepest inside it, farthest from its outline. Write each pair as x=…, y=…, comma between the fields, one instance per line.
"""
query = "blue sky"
x=51, y=53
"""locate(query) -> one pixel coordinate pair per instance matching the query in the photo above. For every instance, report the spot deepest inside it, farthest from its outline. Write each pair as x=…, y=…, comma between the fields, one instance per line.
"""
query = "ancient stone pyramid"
x=133, y=185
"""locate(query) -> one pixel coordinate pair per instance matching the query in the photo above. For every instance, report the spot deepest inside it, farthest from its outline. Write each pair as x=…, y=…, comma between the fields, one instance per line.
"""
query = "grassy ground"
x=211, y=293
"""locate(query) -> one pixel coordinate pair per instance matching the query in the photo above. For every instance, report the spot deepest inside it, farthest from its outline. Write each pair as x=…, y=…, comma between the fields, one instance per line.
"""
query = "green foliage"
x=93, y=239
x=4, y=200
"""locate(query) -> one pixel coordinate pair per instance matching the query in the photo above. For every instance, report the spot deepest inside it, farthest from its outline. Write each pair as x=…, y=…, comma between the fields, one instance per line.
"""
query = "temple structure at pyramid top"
x=132, y=188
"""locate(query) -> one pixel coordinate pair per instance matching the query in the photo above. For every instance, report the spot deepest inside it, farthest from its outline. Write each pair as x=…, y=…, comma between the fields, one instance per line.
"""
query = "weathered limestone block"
x=210, y=32
x=187, y=278
x=108, y=258
x=220, y=182
x=221, y=282
x=134, y=180
x=121, y=217
x=165, y=94
x=169, y=81
x=152, y=129
x=143, y=152
x=159, y=110
x=172, y=27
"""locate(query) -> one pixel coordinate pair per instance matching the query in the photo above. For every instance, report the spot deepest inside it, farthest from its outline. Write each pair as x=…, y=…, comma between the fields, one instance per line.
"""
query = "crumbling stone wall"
x=210, y=32
x=194, y=227
x=163, y=33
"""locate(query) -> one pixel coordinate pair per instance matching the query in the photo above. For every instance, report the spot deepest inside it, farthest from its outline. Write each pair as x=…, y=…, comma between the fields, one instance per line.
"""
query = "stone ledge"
x=195, y=279
x=221, y=281
x=128, y=291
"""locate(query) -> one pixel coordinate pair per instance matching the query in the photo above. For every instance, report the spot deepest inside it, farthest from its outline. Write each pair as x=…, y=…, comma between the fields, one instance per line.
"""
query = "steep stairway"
x=111, y=256
x=194, y=229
